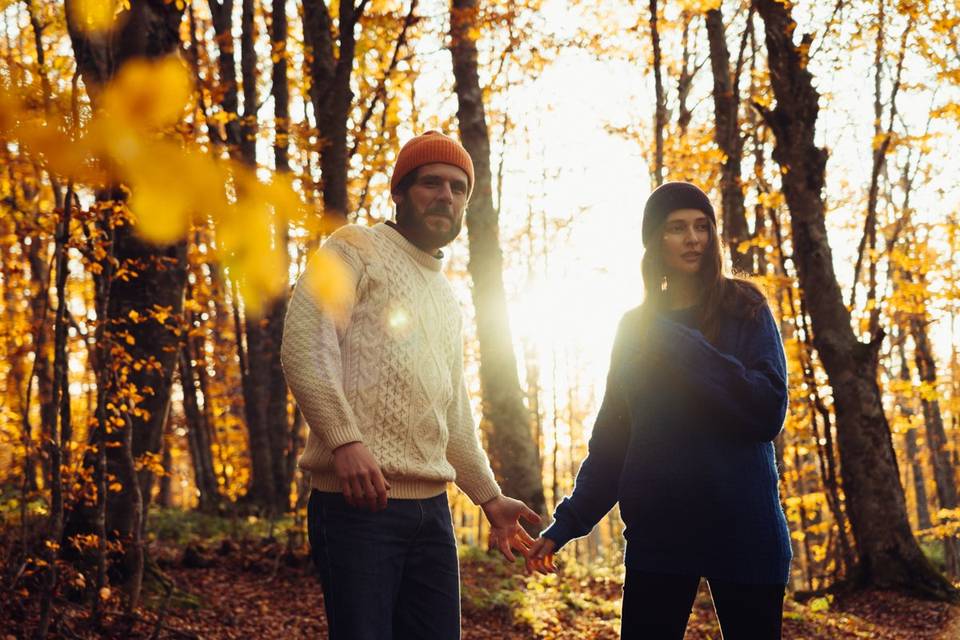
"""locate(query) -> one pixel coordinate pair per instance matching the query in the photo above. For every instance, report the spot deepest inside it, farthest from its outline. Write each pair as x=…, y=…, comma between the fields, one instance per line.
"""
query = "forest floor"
x=229, y=587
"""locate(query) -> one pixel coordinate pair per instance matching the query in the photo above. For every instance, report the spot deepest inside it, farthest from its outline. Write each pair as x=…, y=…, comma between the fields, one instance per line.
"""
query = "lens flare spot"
x=398, y=319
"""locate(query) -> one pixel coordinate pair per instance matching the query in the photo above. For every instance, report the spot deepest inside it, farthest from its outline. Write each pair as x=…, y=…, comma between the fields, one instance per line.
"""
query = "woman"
x=695, y=395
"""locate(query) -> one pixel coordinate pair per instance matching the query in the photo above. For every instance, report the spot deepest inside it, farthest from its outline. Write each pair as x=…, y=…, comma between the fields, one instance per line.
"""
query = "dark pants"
x=389, y=575
x=657, y=607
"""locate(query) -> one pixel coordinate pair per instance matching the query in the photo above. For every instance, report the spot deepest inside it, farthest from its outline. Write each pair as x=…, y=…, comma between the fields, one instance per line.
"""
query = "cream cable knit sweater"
x=387, y=371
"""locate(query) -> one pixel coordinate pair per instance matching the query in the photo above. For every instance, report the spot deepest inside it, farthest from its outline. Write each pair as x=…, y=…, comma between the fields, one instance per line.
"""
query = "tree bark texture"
x=912, y=448
x=222, y=14
x=515, y=456
x=933, y=418
x=888, y=554
x=150, y=29
x=331, y=96
x=943, y=470
x=61, y=397
x=279, y=421
x=660, y=113
x=726, y=105
x=198, y=432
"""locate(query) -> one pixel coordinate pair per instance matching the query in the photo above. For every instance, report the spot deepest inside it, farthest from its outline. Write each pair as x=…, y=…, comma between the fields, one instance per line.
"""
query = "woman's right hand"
x=540, y=556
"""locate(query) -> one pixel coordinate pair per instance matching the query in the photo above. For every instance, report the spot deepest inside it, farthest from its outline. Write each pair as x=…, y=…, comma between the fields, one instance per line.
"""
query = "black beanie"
x=669, y=197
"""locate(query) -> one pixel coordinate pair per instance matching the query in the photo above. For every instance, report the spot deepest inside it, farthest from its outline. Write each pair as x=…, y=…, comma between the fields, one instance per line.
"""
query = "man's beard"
x=408, y=219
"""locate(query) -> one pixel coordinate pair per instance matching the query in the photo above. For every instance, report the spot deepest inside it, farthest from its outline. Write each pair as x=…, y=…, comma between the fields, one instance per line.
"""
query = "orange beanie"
x=428, y=148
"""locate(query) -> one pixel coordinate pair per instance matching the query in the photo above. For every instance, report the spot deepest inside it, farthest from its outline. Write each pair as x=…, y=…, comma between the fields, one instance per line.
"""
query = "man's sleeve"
x=464, y=452
x=317, y=317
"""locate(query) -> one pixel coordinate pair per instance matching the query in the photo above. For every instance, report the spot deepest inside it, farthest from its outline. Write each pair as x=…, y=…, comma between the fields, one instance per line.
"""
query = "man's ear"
x=397, y=197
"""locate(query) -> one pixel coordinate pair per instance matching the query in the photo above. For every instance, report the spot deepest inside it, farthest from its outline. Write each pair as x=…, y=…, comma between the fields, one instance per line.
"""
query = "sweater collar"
x=432, y=262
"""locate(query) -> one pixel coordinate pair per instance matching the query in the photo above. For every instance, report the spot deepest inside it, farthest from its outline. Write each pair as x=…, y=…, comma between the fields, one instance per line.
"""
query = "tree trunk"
x=279, y=421
x=165, y=494
x=149, y=29
x=817, y=407
x=280, y=90
x=259, y=354
x=688, y=71
x=331, y=96
x=198, y=432
x=943, y=471
x=222, y=14
x=660, y=113
x=515, y=456
x=248, y=73
x=933, y=419
x=40, y=278
x=913, y=451
x=888, y=554
x=61, y=397
x=880, y=145
x=260, y=491
x=43, y=365
x=919, y=488
x=726, y=105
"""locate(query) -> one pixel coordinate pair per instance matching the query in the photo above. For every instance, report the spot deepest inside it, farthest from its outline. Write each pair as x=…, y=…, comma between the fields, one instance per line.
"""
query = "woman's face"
x=686, y=237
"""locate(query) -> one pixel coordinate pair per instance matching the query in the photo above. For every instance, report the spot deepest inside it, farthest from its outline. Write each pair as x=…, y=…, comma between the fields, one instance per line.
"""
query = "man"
x=378, y=375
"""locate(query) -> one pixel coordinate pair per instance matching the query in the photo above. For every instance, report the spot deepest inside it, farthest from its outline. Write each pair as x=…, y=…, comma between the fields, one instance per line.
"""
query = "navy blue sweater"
x=683, y=441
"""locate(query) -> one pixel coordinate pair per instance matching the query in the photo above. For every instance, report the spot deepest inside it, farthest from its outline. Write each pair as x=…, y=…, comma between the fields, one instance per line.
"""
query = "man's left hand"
x=506, y=534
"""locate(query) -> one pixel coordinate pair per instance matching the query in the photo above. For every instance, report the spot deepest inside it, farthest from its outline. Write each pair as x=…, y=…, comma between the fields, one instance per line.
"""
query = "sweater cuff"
x=560, y=532
x=482, y=491
x=341, y=435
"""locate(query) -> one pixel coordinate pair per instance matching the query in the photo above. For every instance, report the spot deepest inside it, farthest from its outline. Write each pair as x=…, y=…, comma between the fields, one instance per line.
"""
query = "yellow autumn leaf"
x=161, y=208
x=247, y=246
x=149, y=94
x=699, y=6
x=330, y=283
x=94, y=15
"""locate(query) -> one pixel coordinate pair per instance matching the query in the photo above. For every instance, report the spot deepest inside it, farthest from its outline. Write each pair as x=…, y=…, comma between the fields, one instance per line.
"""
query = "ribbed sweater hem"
x=741, y=570
x=400, y=488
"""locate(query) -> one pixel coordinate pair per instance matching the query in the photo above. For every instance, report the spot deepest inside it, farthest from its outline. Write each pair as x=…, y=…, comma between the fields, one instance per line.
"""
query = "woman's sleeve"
x=596, y=488
x=749, y=394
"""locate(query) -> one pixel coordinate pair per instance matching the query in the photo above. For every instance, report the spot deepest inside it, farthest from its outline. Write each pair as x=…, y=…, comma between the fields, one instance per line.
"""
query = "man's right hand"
x=540, y=556
x=360, y=477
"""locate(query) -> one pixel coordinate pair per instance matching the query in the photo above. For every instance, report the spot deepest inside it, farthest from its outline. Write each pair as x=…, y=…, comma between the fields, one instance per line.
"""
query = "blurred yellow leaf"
x=94, y=15
x=149, y=94
x=330, y=283
x=161, y=210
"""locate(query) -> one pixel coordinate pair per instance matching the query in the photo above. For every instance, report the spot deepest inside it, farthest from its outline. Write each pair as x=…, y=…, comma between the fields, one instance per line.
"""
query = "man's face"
x=431, y=211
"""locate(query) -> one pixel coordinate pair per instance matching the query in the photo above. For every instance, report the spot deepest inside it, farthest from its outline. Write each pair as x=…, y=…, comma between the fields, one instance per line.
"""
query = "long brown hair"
x=720, y=294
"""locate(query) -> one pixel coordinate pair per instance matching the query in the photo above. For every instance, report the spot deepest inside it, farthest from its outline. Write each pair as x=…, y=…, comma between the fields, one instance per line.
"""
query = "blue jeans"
x=389, y=575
